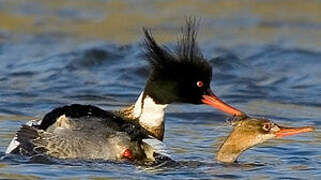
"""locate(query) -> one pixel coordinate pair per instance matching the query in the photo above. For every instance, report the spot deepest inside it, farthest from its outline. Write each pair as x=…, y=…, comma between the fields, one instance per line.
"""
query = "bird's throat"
x=150, y=115
x=228, y=152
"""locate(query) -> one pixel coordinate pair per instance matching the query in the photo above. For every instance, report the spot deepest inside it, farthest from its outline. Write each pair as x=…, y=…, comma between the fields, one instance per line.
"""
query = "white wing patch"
x=158, y=146
x=14, y=143
x=63, y=122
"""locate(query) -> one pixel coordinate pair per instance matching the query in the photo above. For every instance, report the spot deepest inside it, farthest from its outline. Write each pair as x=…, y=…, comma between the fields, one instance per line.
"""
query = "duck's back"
x=80, y=131
x=87, y=117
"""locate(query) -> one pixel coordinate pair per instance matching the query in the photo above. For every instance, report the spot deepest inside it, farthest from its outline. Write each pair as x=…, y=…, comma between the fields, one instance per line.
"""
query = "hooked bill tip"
x=215, y=102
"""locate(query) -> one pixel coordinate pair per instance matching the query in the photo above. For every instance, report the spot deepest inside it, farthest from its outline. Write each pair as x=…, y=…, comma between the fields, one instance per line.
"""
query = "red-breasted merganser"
x=249, y=132
x=85, y=131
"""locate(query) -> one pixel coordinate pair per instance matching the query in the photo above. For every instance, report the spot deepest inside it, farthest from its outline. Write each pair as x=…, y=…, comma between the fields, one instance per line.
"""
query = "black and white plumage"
x=89, y=132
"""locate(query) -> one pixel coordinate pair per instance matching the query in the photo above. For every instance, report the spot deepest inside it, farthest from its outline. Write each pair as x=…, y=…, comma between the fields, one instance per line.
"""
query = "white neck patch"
x=148, y=112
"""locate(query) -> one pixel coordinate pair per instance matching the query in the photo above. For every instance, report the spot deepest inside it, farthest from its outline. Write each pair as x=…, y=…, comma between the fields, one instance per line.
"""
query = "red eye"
x=199, y=83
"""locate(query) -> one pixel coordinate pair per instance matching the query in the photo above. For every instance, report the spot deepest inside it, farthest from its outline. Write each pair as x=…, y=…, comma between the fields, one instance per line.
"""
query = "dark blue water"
x=274, y=82
x=278, y=79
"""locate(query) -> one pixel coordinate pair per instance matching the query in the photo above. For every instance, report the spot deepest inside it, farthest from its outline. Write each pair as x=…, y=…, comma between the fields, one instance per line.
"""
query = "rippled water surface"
x=266, y=58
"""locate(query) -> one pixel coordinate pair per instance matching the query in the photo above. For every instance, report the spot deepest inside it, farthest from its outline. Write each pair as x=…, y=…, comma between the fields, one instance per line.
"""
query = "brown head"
x=249, y=132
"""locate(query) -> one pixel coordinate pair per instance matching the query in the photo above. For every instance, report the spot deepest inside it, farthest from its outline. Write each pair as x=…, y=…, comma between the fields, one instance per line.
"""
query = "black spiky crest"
x=187, y=50
x=187, y=47
x=174, y=74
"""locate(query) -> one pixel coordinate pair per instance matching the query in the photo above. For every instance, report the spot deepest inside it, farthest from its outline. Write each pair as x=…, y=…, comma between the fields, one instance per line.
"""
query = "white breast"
x=148, y=112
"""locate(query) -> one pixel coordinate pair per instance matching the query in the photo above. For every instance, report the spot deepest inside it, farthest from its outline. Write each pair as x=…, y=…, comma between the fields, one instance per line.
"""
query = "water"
x=266, y=62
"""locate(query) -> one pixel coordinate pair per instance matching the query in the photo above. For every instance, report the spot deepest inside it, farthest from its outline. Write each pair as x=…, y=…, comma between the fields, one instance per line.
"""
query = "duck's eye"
x=266, y=127
x=199, y=83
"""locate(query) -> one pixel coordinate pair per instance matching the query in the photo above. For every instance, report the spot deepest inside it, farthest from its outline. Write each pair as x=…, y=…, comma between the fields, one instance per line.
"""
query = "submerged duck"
x=86, y=131
x=249, y=132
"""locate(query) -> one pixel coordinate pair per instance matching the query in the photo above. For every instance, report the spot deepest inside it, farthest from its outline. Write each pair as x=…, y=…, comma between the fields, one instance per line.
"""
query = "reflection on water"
x=266, y=62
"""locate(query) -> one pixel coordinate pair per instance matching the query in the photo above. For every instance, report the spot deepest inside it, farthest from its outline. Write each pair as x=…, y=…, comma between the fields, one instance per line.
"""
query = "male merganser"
x=249, y=132
x=74, y=130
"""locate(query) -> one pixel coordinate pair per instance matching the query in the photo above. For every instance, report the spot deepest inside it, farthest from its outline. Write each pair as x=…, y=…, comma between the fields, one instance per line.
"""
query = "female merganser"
x=249, y=132
x=85, y=131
